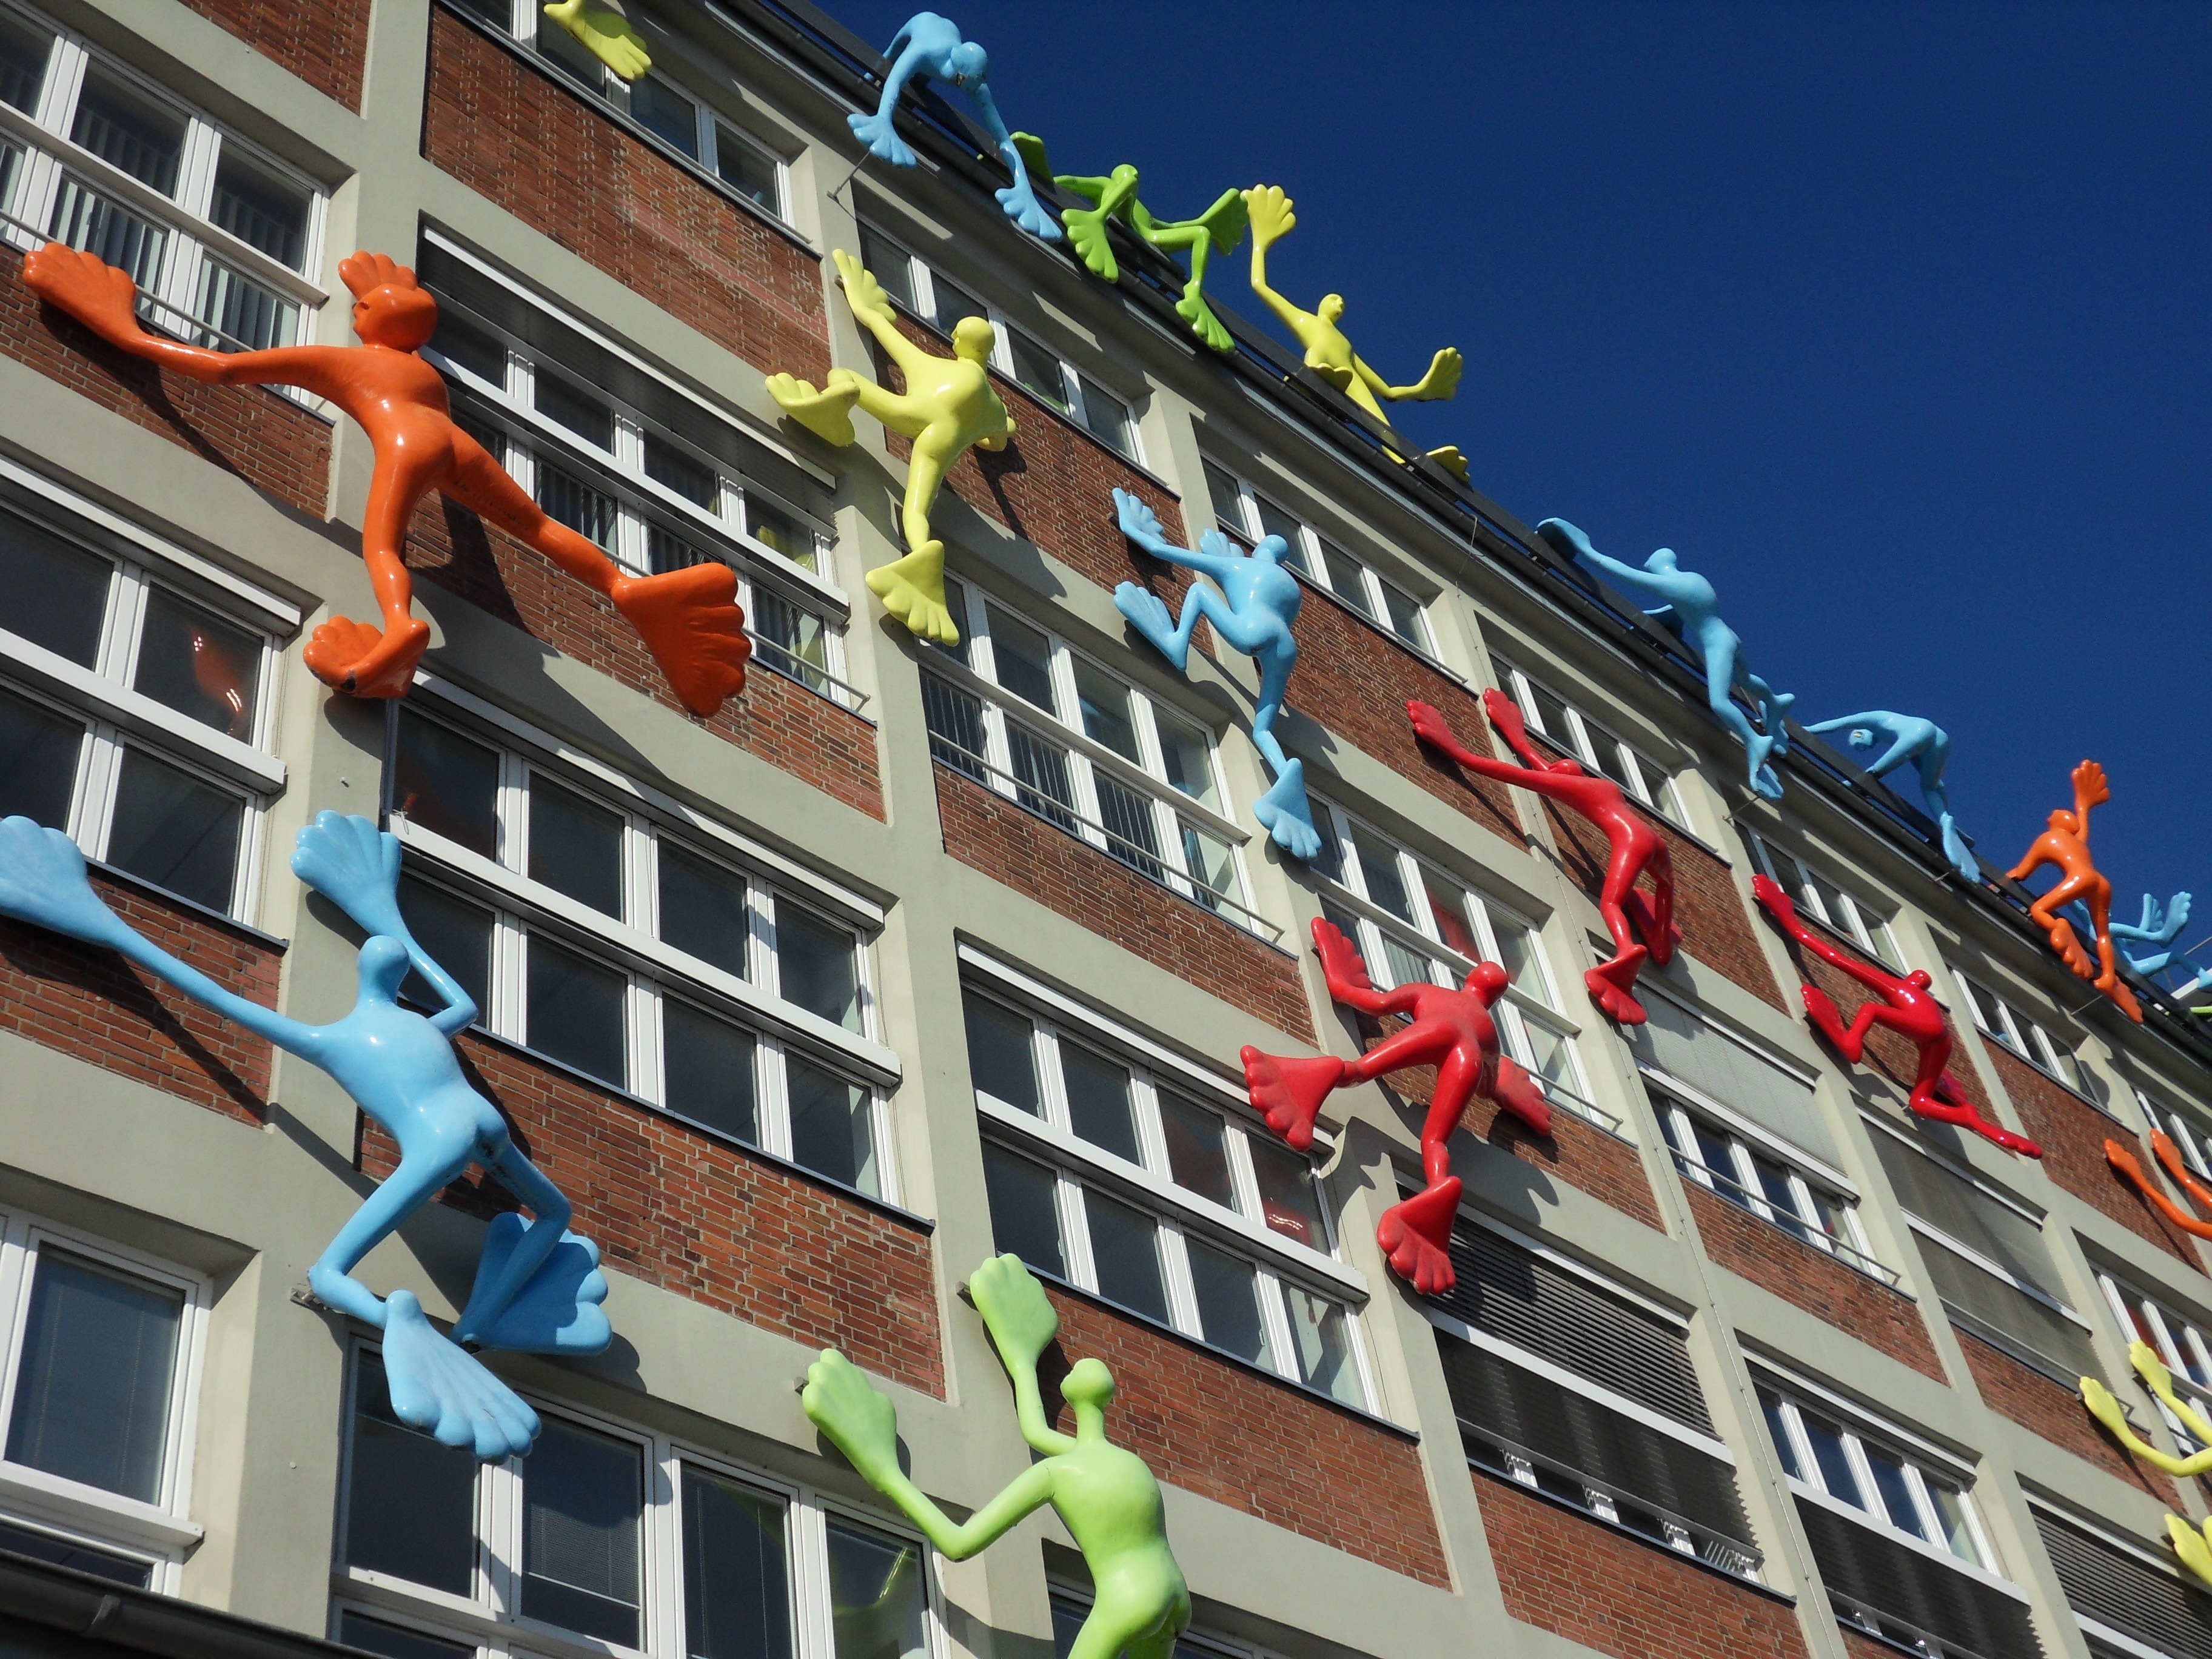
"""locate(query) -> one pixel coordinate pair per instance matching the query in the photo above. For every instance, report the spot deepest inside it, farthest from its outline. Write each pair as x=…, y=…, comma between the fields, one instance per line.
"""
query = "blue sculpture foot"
x=1758, y=746
x=445, y=1391
x=1960, y=855
x=1149, y=615
x=1023, y=207
x=557, y=1311
x=1287, y=816
x=883, y=141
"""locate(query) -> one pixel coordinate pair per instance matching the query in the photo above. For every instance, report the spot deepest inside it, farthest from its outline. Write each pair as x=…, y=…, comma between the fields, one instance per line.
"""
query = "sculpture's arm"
x=1878, y=719
x=291, y=1035
x=2035, y=858
x=1632, y=579
x=1142, y=526
x=1345, y=971
x=872, y=309
x=1780, y=905
x=2090, y=789
x=1295, y=319
x=1441, y=380
x=2107, y=1410
x=1030, y=1491
x=356, y=867
x=2153, y=1370
x=905, y=54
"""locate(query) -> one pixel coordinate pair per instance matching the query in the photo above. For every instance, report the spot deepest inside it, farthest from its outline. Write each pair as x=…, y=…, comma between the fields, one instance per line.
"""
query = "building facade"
x=914, y=955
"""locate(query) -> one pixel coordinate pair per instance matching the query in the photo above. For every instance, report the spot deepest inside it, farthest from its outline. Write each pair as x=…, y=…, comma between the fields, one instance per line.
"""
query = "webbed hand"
x=1441, y=381
x=98, y=295
x=1340, y=957
x=875, y=129
x=356, y=865
x=2191, y=1546
x=43, y=880
x=2090, y=786
x=2106, y=1408
x=1019, y=200
x=606, y=34
x=1268, y=212
x=1015, y=1311
x=1138, y=521
x=2149, y=1367
x=853, y=1415
x=863, y=293
x=1086, y=234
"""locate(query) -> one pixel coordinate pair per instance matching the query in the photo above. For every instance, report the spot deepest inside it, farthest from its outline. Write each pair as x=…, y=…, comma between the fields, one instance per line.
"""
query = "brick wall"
x=92, y=1004
x=1585, y=1581
x=2044, y=1407
x=1273, y=1451
x=324, y=45
x=2072, y=1134
x=1813, y=1280
x=987, y=832
x=1716, y=927
x=1858, y=1646
x=558, y=162
x=774, y=717
x=269, y=440
x=701, y=1217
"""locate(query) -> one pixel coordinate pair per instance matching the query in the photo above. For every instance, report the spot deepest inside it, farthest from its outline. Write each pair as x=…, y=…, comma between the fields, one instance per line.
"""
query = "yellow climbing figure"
x=2192, y=1546
x=1328, y=351
x=948, y=405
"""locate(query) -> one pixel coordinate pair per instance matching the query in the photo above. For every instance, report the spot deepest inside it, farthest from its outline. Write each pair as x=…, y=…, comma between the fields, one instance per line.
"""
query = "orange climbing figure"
x=2066, y=844
x=2123, y=1160
x=688, y=618
x=1452, y=1031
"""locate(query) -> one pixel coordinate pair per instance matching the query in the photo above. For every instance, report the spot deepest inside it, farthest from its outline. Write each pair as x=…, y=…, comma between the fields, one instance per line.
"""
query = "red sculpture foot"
x=1416, y=1235
x=1289, y=1092
x=1517, y=1092
x=1612, y=986
x=1965, y=1116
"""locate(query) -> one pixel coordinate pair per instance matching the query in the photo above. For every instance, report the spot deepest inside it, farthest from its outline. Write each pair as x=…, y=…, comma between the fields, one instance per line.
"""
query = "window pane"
x=703, y=909
x=818, y=965
x=1550, y=1056
x=1288, y=1202
x=876, y=1594
x=1378, y=865
x=1221, y=488
x=1024, y=656
x=253, y=316
x=694, y=481
x=198, y=664
x=575, y=846
x=1188, y=754
x=890, y=266
x=259, y=209
x=1406, y=619
x=557, y=46
x=583, y=1494
x=39, y=751
x=23, y=54
x=1774, y=1184
x=708, y=1064
x=121, y=125
x=1098, y=1108
x=92, y=1390
x=374, y=1635
x=1037, y=371
x=568, y=404
x=1213, y=866
x=1104, y=702
x=1024, y=1214
x=954, y=303
x=1516, y=954
x=476, y=349
x=1002, y=1055
x=800, y=640
x=749, y=170
x=1404, y=966
x=1229, y=1303
x=1323, y=1345
x=57, y=594
x=1107, y=416
x=1896, y=1495
x=1348, y=577
x=1951, y=1511
x=1606, y=749
x=575, y=1012
x=66, y=1553
x=1778, y=1430
x=1197, y=1151
x=781, y=533
x=665, y=112
x=1133, y=834
x=448, y=784
x=1551, y=715
x=955, y=723
x=1041, y=766
x=736, y=1575
x=85, y=219
x=568, y=499
x=1273, y=522
x=174, y=830
x=1125, y=1248
x=411, y=1503
x=1718, y=1154
x=1448, y=904
x=456, y=933
x=1827, y=1445
x=831, y=1129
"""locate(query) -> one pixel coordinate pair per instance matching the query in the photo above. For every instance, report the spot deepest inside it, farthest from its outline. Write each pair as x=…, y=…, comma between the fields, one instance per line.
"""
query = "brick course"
x=706, y=1220
x=90, y=1002
x=1273, y=1451
x=2044, y=1407
x=269, y=440
x=324, y=45
x=1810, y=1279
x=561, y=164
x=1589, y=1583
x=987, y=832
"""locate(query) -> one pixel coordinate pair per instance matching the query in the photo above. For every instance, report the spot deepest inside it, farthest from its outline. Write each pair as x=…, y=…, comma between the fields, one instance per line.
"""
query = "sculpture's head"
x=969, y=63
x=973, y=339
x=383, y=967
x=1273, y=549
x=1088, y=1387
x=1661, y=559
x=1330, y=308
x=1487, y=980
x=390, y=307
x=1920, y=979
x=1861, y=737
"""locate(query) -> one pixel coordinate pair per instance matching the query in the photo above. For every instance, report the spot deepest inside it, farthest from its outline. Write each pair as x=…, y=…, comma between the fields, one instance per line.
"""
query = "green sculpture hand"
x=605, y=33
x=1015, y=1311
x=853, y=1415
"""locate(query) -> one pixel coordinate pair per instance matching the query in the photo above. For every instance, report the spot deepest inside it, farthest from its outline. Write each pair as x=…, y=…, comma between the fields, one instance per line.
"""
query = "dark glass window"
x=448, y=784
x=1024, y=1218
x=23, y=54
x=954, y=303
x=260, y=208
x=1198, y=1153
x=121, y=125
x=576, y=1012
x=831, y=1131
x=478, y=350
x=1098, y=1107
x=749, y=170
x=666, y=113
x=890, y=266
x=704, y=910
x=39, y=753
x=458, y=936
x=1229, y=1303
x=817, y=966
x=1002, y=1055
x=66, y=1553
x=1287, y=1200
x=411, y=1503
x=1125, y=1245
x=175, y=830
x=569, y=500
x=575, y=846
x=709, y=1065
x=57, y=594
x=737, y=1577
x=568, y=404
x=583, y=1498
x=92, y=1390
x=672, y=469
x=1037, y=371
x=198, y=664
x=396, y=1642
x=876, y=1594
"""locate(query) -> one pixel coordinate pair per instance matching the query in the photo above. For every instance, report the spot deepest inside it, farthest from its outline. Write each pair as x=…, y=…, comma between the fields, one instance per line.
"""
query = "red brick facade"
x=704, y=1219
x=92, y=1004
x=2044, y=1407
x=1813, y=1280
x=269, y=440
x=1585, y=1581
x=324, y=45
x=774, y=717
x=987, y=832
x=1578, y=1153
x=547, y=156
x=1214, y=1429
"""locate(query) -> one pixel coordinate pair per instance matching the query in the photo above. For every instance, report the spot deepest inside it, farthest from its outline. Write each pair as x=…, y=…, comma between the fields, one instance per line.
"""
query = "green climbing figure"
x=1217, y=230
x=1106, y=1495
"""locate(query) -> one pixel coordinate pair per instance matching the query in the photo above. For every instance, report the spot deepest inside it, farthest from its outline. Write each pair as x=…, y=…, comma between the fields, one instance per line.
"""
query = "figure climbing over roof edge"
x=1928, y=746
x=2065, y=844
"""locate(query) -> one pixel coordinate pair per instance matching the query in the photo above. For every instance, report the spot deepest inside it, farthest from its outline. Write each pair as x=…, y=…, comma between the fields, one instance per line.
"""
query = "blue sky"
x=1895, y=320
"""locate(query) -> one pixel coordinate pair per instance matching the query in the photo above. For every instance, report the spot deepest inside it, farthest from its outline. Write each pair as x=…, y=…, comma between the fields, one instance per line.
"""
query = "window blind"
x=1957, y=1208
x=2126, y=1594
x=1678, y=1042
x=1973, y=1620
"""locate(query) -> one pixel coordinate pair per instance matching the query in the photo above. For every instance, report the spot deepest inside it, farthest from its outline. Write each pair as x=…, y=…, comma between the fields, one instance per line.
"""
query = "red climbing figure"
x=1640, y=927
x=1451, y=1031
x=1907, y=1007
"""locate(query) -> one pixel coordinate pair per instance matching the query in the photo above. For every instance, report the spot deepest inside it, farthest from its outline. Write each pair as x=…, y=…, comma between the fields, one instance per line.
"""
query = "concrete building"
x=912, y=955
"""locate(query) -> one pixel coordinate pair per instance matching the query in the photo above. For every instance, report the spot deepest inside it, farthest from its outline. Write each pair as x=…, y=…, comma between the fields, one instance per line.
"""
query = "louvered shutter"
x=1680, y=1044
x=2126, y=1594
x=1973, y=1620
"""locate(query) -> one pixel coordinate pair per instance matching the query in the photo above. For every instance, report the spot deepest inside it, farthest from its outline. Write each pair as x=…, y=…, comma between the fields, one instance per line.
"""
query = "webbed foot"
x=827, y=413
x=440, y=1388
x=1451, y=460
x=1149, y=615
x=1284, y=811
x=2110, y=985
x=913, y=590
x=876, y=132
x=355, y=659
x=556, y=1311
x=1956, y=850
x=1612, y=986
x=1828, y=1018
x=1022, y=206
x=1086, y=234
x=1416, y=1235
x=1194, y=310
x=43, y=881
x=1288, y=1093
x=2068, y=947
x=1762, y=778
x=690, y=620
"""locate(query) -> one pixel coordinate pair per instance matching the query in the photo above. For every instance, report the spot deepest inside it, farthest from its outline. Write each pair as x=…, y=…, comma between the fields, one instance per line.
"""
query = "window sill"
x=39, y=1496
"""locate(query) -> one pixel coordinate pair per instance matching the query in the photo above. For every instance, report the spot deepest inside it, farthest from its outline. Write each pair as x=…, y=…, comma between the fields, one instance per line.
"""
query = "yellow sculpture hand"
x=1270, y=213
x=605, y=33
x=2149, y=1367
x=863, y=293
x=2190, y=1545
x=1441, y=381
x=2107, y=1410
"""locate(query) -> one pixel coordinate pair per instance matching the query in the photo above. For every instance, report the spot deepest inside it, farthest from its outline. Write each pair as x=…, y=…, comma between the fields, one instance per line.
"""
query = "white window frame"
x=2001, y=1022
x=1858, y=922
x=160, y=1532
x=2189, y=1133
x=2177, y=1340
x=1650, y=784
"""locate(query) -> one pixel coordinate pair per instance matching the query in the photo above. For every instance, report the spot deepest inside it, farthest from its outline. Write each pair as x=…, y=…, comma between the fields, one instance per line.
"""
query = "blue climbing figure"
x=1686, y=602
x=2157, y=931
x=930, y=47
x=537, y=1287
x=1928, y=746
x=1253, y=612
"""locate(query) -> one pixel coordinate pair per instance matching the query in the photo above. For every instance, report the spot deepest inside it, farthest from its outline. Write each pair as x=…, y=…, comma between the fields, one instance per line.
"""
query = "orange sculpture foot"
x=1612, y=986
x=2110, y=985
x=2068, y=947
x=1416, y=1235
x=1289, y=1092
x=690, y=620
x=355, y=659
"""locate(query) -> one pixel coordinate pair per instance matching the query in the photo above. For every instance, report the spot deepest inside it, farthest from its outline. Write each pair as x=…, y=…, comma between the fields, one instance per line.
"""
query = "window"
x=1406, y=909
x=924, y=293
x=658, y=477
x=1822, y=901
x=2177, y=1339
x=2188, y=1131
x=1737, y=1083
x=134, y=703
x=1246, y=516
x=1088, y=752
x=1575, y=1389
x=1572, y=732
x=219, y=237
x=99, y=1353
x=1822, y=1452
x=2126, y=1596
x=633, y=1543
x=1143, y=1185
x=590, y=934
x=1999, y=1020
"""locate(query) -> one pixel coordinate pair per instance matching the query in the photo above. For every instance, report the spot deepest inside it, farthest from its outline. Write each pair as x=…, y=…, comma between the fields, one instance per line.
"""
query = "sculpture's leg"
x=1773, y=709
x=1612, y=984
x=423, y=1170
x=1289, y=1092
x=549, y=1210
x=2045, y=910
x=1416, y=1232
x=1720, y=686
x=1117, y=1622
x=1148, y=614
x=1193, y=307
x=912, y=588
x=1284, y=810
